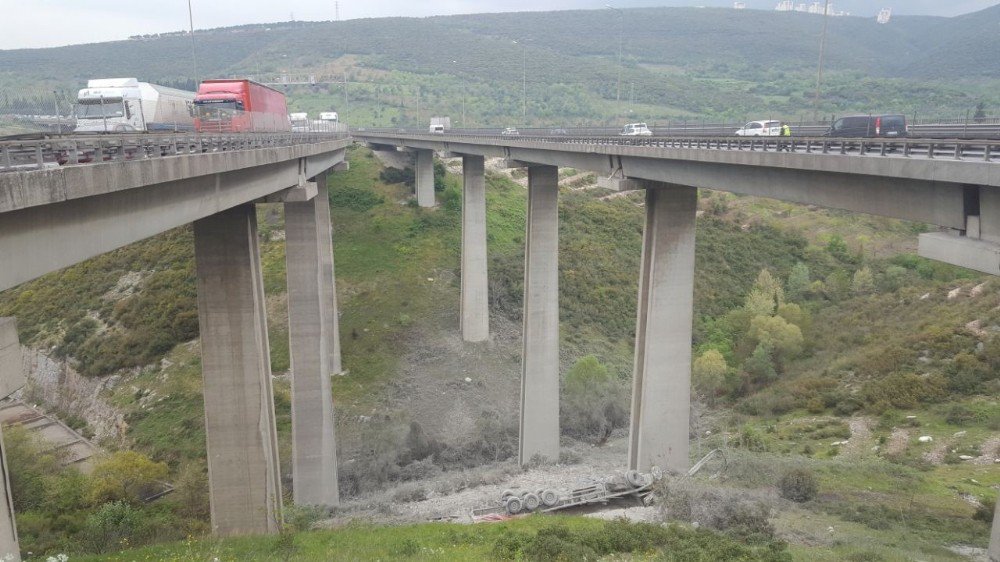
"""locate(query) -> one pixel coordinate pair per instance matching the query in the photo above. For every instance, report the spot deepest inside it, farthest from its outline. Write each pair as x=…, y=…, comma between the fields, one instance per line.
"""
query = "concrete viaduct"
x=52, y=218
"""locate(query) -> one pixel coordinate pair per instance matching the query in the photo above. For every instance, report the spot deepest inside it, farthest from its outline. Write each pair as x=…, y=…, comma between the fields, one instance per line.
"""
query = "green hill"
x=678, y=63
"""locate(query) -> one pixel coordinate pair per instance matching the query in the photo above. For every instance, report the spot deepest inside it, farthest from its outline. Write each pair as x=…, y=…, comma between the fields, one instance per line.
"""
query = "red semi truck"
x=239, y=106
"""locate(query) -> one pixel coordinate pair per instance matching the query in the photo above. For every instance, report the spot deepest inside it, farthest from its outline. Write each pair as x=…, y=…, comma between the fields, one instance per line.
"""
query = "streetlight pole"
x=462, y=79
x=194, y=56
x=524, y=83
x=621, y=43
x=822, y=52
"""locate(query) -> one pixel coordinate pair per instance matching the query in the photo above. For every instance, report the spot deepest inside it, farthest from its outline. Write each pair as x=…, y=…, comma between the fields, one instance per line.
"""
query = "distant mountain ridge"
x=907, y=47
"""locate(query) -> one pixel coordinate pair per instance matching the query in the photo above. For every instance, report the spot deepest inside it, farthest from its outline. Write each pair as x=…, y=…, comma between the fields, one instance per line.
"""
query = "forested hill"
x=907, y=47
x=678, y=63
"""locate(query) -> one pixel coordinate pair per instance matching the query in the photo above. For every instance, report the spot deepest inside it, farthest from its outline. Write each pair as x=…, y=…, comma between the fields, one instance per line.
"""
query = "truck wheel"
x=506, y=494
x=634, y=477
x=549, y=498
x=513, y=505
x=531, y=502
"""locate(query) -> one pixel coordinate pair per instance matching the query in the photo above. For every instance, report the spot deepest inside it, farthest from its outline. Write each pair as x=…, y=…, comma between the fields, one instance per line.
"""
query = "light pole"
x=621, y=43
x=822, y=52
x=194, y=56
x=455, y=62
x=524, y=83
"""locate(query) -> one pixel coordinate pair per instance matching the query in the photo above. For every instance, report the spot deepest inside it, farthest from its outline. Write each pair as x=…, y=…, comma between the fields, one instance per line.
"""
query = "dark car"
x=869, y=126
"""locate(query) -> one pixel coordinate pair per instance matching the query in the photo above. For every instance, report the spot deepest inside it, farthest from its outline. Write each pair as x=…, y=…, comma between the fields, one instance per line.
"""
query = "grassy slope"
x=396, y=267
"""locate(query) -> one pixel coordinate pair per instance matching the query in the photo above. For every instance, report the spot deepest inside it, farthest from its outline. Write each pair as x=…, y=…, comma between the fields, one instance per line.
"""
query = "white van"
x=636, y=130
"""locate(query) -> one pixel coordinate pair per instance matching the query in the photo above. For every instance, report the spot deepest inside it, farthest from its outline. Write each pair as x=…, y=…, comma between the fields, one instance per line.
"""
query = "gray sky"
x=49, y=23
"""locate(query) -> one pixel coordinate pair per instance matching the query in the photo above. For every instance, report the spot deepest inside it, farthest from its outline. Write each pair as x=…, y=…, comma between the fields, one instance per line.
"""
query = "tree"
x=127, y=476
x=759, y=303
x=863, y=282
x=759, y=367
x=798, y=282
x=980, y=115
x=593, y=401
x=838, y=285
x=709, y=373
x=784, y=339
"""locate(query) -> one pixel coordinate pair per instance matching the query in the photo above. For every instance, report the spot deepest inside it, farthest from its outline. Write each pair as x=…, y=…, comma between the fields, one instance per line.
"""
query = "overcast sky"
x=49, y=23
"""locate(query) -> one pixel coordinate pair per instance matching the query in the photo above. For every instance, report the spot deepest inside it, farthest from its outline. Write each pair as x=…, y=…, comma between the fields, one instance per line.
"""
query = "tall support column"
x=244, y=485
x=539, y=434
x=314, y=453
x=661, y=388
x=994, y=550
x=425, y=177
x=328, y=281
x=11, y=379
x=475, y=297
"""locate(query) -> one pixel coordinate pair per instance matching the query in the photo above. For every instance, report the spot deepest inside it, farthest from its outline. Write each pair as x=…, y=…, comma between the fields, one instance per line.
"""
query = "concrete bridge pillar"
x=328, y=282
x=424, y=171
x=475, y=296
x=11, y=379
x=244, y=485
x=309, y=265
x=661, y=387
x=539, y=432
x=994, y=550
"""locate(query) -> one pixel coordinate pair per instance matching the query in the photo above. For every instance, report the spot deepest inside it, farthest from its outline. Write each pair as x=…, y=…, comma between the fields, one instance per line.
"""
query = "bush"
x=557, y=544
x=411, y=493
x=128, y=476
x=798, y=485
x=985, y=511
x=396, y=175
x=116, y=525
x=593, y=402
x=355, y=199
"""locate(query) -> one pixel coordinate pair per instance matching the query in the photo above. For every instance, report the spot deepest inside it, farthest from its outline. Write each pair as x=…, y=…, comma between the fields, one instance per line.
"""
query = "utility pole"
x=194, y=56
x=822, y=52
x=347, y=101
x=621, y=43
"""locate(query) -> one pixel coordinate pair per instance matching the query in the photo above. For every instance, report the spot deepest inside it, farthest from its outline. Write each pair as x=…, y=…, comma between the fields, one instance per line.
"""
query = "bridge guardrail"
x=964, y=150
x=33, y=154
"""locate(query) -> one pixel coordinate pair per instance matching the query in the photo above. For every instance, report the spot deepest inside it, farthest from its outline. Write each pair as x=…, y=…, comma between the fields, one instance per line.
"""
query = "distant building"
x=740, y=5
x=814, y=8
x=884, y=15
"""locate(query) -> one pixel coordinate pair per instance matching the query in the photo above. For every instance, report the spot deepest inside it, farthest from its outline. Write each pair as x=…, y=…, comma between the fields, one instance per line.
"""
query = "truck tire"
x=549, y=498
x=531, y=502
x=506, y=494
x=513, y=505
x=635, y=478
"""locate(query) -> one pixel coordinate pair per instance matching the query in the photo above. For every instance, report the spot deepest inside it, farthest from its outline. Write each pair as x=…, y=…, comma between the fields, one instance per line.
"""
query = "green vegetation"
x=680, y=64
x=803, y=318
x=533, y=538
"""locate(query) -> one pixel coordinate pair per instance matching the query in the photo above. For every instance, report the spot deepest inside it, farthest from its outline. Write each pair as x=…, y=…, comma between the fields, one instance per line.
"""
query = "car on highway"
x=510, y=132
x=636, y=130
x=869, y=126
x=760, y=129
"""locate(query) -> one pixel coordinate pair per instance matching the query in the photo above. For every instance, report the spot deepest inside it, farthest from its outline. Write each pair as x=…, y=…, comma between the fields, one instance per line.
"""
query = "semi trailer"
x=121, y=105
x=238, y=106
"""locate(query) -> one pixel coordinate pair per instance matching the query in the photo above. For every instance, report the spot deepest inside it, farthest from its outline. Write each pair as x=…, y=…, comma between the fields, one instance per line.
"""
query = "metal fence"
x=33, y=154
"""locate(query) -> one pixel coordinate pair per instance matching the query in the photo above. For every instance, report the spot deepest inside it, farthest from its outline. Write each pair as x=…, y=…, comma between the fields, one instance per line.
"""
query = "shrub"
x=127, y=476
x=354, y=198
x=557, y=544
x=709, y=373
x=114, y=526
x=411, y=493
x=593, y=401
x=395, y=175
x=985, y=511
x=798, y=485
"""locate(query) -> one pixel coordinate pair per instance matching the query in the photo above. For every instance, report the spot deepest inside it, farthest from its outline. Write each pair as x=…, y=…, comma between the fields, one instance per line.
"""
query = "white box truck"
x=440, y=124
x=120, y=105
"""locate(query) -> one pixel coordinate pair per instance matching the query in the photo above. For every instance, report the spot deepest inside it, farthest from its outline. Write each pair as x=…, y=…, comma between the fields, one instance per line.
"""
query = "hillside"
x=808, y=323
x=678, y=63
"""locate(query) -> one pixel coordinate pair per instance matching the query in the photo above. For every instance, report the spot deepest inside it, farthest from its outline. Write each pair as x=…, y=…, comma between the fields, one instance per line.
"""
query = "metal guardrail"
x=964, y=150
x=34, y=154
x=988, y=129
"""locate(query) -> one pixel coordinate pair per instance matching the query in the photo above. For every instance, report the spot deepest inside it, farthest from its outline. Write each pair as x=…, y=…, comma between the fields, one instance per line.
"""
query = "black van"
x=869, y=126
